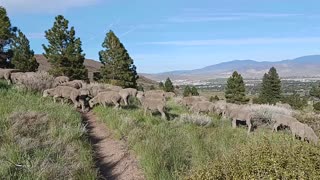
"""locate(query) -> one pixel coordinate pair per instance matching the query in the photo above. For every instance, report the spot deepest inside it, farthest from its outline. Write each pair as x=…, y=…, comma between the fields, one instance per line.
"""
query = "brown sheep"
x=104, y=98
x=169, y=95
x=75, y=84
x=126, y=93
x=240, y=113
x=59, y=80
x=17, y=78
x=6, y=74
x=190, y=100
x=152, y=104
x=67, y=93
x=283, y=120
x=304, y=132
x=202, y=106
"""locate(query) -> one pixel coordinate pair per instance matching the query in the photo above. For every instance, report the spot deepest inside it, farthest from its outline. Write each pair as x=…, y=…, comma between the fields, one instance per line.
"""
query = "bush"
x=200, y=120
x=316, y=106
x=271, y=158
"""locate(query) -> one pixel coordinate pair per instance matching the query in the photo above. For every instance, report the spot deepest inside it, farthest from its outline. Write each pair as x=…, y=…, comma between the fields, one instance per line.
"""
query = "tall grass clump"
x=41, y=140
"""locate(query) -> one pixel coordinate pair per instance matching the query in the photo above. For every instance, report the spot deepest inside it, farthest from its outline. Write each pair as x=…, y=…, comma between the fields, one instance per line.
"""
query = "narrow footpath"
x=112, y=156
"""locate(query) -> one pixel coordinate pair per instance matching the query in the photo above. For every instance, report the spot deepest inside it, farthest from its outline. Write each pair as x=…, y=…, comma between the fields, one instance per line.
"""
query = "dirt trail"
x=112, y=156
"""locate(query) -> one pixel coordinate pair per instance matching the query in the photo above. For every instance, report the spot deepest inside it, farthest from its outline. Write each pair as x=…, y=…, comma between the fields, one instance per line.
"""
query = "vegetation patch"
x=41, y=140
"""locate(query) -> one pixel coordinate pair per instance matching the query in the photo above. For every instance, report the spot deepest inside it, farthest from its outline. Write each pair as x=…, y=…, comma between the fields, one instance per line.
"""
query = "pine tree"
x=118, y=67
x=187, y=91
x=6, y=35
x=64, y=51
x=315, y=92
x=271, y=87
x=23, y=57
x=168, y=86
x=235, y=90
x=194, y=91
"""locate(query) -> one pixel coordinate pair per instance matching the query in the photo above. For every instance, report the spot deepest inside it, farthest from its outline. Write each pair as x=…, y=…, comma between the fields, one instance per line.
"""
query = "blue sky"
x=169, y=35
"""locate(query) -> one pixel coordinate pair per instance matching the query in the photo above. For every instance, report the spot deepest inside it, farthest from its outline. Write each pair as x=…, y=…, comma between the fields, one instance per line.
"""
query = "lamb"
x=283, y=120
x=66, y=92
x=75, y=84
x=6, y=74
x=237, y=112
x=60, y=80
x=153, y=104
x=304, y=132
x=126, y=93
x=202, y=106
x=104, y=98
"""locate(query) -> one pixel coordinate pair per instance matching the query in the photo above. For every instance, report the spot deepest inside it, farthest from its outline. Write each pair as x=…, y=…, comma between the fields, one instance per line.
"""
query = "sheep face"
x=46, y=93
x=92, y=102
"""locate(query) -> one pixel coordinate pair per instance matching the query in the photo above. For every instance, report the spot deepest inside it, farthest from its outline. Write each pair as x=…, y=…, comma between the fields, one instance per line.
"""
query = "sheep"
x=202, y=106
x=104, y=98
x=75, y=84
x=6, y=74
x=126, y=93
x=66, y=92
x=60, y=79
x=190, y=100
x=155, y=94
x=153, y=104
x=113, y=87
x=283, y=120
x=304, y=132
x=238, y=112
x=17, y=78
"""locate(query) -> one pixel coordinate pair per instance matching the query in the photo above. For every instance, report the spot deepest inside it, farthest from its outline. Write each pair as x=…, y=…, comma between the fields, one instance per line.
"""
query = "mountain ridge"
x=305, y=66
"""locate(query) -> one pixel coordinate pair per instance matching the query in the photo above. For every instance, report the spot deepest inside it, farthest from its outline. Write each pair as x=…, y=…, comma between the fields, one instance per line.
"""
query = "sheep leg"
x=82, y=105
x=145, y=111
x=249, y=126
x=275, y=127
x=125, y=99
x=234, y=123
x=163, y=115
x=55, y=98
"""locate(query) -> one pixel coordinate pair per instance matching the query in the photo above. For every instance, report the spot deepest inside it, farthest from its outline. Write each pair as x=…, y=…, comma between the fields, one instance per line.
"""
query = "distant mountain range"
x=306, y=66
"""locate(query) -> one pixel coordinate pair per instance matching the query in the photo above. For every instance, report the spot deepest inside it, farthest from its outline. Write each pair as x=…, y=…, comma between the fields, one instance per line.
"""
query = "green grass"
x=51, y=147
x=171, y=150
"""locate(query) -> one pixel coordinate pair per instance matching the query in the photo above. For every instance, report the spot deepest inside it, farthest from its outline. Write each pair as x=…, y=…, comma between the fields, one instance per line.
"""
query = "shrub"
x=200, y=120
x=316, y=106
x=272, y=158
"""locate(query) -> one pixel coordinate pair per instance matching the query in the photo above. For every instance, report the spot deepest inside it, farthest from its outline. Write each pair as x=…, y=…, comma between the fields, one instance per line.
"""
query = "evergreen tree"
x=187, y=91
x=23, y=57
x=194, y=91
x=118, y=67
x=271, y=87
x=235, y=90
x=214, y=98
x=6, y=35
x=64, y=51
x=168, y=86
x=161, y=85
x=152, y=87
x=315, y=92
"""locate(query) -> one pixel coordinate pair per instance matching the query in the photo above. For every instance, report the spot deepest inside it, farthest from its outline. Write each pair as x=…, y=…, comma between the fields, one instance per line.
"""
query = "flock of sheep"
x=81, y=94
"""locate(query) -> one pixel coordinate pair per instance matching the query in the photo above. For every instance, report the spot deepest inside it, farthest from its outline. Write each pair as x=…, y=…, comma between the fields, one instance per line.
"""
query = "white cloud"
x=243, y=41
x=44, y=6
x=204, y=16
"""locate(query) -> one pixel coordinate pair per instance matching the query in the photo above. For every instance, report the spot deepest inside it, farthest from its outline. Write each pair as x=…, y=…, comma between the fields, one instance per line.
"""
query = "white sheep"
x=59, y=80
x=152, y=104
x=126, y=93
x=202, y=107
x=104, y=98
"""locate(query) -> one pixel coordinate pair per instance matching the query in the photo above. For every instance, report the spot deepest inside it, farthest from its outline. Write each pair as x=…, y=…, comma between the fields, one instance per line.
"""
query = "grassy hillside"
x=175, y=150
x=41, y=140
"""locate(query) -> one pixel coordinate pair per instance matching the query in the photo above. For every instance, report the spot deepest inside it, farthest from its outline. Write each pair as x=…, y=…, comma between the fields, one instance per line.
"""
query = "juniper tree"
x=64, y=51
x=118, y=67
x=194, y=91
x=6, y=34
x=271, y=87
x=161, y=85
x=23, y=57
x=187, y=91
x=168, y=86
x=235, y=91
